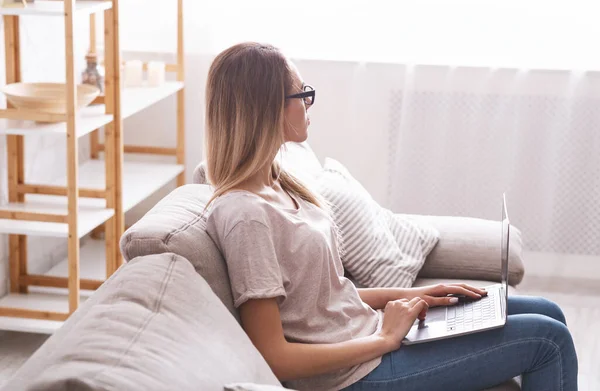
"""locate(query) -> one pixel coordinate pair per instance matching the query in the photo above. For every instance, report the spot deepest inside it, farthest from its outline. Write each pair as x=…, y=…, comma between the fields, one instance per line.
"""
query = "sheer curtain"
x=462, y=136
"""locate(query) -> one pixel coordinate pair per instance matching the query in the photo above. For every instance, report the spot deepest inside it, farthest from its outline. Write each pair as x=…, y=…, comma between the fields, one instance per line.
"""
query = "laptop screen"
x=504, y=245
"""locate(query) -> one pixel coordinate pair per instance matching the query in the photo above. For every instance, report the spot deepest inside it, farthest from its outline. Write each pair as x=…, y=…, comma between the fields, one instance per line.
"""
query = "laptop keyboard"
x=475, y=314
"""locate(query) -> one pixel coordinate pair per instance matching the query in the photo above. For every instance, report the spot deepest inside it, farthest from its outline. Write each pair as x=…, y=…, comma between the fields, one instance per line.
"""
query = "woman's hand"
x=437, y=295
x=398, y=318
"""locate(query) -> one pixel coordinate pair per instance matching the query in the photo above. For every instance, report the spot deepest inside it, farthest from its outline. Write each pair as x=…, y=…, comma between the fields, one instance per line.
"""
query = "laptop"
x=469, y=317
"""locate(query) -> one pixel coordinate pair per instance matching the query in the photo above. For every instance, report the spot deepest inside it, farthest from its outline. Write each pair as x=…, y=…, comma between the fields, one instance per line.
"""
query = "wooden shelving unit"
x=93, y=196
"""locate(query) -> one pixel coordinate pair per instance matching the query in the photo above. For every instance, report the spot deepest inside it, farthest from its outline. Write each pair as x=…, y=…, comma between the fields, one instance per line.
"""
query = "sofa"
x=166, y=321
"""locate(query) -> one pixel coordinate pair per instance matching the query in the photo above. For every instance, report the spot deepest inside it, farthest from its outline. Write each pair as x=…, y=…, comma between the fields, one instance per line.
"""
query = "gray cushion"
x=469, y=248
x=199, y=176
x=156, y=325
x=176, y=224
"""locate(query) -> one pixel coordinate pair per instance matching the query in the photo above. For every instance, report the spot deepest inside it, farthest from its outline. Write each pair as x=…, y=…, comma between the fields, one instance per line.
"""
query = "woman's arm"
x=434, y=295
x=261, y=321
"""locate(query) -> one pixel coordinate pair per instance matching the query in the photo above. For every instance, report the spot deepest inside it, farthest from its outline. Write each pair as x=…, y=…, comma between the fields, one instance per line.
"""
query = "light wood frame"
x=113, y=149
x=178, y=152
x=20, y=280
x=179, y=69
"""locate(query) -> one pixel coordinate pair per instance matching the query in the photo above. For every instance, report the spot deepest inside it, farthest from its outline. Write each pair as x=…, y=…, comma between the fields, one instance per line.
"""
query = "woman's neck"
x=261, y=181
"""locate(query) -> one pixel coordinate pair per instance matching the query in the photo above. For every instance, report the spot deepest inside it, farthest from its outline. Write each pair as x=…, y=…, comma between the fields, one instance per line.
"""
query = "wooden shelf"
x=32, y=301
x=140, y=180
x=55, y=302
x=93, y=117
x=88, y=120
x=56, y=8
x=91, y=215
x=92, y=266
x=127, y=184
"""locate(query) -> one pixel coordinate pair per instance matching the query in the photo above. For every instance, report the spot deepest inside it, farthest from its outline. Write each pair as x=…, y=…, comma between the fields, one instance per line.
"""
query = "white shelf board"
x=92, y=266
x=91, y=215
x=44, y=301
x=140, y=179
x=139, y=98
x=136, y=99
x=89, y=119
x=92, y=263
x=23, y=325
x=34, y=301
x=56, y=8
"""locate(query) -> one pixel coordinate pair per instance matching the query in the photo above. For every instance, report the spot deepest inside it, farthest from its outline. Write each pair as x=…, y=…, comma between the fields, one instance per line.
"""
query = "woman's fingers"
x=480, y=291
x=419, y=305
x=414, y=301
x=456, y=289
x=441, y=301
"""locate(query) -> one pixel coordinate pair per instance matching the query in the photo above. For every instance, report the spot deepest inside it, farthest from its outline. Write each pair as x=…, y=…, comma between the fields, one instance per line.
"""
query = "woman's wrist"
x=385, y=343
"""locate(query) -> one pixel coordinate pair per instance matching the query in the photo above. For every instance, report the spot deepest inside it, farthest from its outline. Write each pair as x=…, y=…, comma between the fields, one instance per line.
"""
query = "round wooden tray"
x=47, y=97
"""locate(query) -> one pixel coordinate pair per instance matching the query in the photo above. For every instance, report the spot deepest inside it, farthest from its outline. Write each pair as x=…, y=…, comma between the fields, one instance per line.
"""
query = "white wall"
x=551, y=34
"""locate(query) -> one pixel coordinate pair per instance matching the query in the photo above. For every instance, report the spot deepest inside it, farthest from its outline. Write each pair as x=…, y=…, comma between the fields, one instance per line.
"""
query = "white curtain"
x=462, y=136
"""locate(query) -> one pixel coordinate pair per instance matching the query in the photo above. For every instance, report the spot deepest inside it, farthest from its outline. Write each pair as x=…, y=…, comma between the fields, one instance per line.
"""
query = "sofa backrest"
x=154, y=325
x=176, y=224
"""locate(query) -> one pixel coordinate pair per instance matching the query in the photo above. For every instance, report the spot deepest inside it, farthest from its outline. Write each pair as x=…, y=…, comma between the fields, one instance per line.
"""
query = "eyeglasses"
x=308, y=95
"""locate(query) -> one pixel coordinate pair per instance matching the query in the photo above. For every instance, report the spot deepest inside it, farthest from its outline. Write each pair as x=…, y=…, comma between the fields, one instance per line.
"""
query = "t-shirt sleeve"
x=254, y=271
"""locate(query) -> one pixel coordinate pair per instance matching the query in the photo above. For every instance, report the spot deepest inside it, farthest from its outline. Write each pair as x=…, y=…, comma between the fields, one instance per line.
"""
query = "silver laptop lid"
x=504, y=245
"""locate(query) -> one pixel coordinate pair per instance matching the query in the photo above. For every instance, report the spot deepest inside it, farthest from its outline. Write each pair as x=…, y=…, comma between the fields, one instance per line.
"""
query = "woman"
x=313, y=327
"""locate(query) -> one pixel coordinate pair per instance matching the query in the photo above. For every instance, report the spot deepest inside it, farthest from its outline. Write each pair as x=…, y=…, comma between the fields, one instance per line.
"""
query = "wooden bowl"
x=47, y=97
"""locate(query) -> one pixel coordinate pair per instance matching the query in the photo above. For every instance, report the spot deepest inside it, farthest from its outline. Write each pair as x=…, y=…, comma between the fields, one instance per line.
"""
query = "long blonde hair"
x=245, y=101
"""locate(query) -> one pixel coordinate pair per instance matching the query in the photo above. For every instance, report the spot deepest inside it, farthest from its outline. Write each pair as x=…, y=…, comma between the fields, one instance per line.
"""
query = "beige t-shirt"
x=292, y=255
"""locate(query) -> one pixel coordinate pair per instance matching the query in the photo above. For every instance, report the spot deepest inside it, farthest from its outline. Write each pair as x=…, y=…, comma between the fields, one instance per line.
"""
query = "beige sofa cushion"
x=469, y=248
x=176, y=224
x=156, y=325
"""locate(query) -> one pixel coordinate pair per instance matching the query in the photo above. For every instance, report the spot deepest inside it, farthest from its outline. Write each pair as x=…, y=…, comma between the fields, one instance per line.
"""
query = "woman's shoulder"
x=238, y=205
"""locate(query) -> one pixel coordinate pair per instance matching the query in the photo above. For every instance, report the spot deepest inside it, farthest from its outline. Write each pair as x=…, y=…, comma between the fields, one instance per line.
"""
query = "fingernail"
x=453, y=300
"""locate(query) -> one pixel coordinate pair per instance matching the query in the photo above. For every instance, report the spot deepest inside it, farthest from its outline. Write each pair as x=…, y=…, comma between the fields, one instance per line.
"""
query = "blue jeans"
x=534, y=343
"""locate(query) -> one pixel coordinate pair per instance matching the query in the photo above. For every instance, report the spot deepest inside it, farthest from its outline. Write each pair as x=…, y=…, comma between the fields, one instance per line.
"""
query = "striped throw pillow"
x=379, y=248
